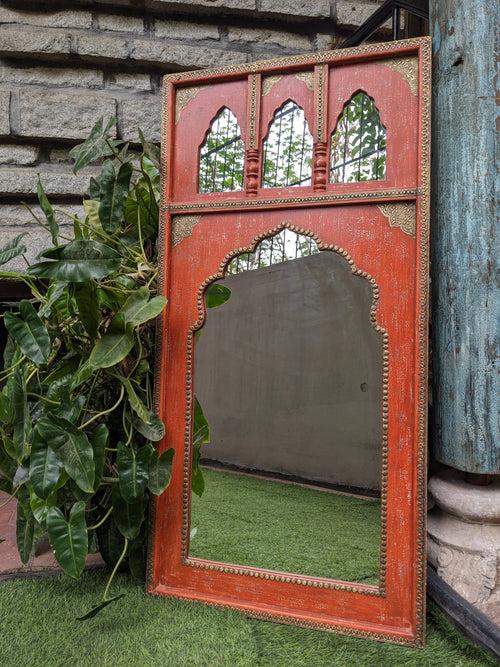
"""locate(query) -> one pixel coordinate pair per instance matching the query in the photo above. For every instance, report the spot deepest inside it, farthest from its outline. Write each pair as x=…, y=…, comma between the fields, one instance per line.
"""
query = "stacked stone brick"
x=65, y=63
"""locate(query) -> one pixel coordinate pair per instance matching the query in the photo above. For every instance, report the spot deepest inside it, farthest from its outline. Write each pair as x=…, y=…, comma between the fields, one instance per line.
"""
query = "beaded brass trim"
x=409, y=193
x=320, y=110
x=288, y=578
x=268, y=82
x=307, y=59
x=252, y=132
x=182, y=227
x=183, y=97
x=423, y=329
x=407, y=68
x=400, y=214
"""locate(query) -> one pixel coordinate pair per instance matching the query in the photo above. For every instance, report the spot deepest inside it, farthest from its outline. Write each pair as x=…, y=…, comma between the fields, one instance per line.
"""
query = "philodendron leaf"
x=201, y=430
x=135, y=402
x=94, y=147
x=29, y=332
x=114, y=187
x=48, y=212
x=69, y=539
x=160, y=470
x=40, y=507
x=112, y=348
x=77, y=262
x=72, y=447
x=88, y=306
x=95, y=610
x=153, y=429
x=99, y=440
x=138, y=308
x=12, y=248
x=25, y=528
x=21, y=436
x=133, y=471
x=216, y=295
x=45, y=467
x=128, y=516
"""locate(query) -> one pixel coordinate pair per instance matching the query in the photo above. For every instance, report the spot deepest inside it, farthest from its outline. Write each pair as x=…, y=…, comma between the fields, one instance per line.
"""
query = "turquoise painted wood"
x=464, y=243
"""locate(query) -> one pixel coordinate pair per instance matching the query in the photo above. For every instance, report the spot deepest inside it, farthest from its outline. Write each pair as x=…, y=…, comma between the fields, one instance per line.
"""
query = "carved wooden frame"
x=343, y=218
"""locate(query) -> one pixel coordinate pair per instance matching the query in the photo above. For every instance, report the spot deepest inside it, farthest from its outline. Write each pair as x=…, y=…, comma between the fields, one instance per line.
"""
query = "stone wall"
x=65, y=63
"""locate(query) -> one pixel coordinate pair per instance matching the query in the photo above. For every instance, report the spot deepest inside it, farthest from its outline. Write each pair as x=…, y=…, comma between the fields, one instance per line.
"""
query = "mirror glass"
x=222, y=155
x=288, y=149
x=288, y=416
x=359, y=142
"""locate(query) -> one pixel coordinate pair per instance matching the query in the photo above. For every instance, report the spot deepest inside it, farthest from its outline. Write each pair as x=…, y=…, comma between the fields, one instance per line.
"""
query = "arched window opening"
x=222, y=155
x=284, y=246
x=288, y=149
x=358, y=145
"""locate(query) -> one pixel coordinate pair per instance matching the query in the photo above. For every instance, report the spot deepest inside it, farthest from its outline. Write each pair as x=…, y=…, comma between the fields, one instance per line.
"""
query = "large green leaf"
x=77, y=261
x=88, y=306
x=12, y=248
x=160, y=470
x=95, y=610
x=94, y=147
x=153, y=430
x=138, y=308
x=114, y=189
x=68, y=539
x=135, y=402
x=7, y=469
x=21, y=436
x=45, y=466
x=216, y=295
x=152, y=151
x=133, y=471
x=128, y=516
x=40, y=506
x=201, y=430
x=112, y=348
x=141, y=211
x=25, y=528
x=99, y=440
x=29, y=332
x=48, y=212
x=72, y=447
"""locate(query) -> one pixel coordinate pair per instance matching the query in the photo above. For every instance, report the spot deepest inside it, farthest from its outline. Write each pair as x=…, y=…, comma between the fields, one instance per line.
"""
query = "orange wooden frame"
x=381, y=229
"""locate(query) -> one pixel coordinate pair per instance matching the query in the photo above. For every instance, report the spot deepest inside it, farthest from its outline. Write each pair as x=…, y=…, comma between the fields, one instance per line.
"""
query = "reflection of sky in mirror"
x=285, y=246
x=288, y=149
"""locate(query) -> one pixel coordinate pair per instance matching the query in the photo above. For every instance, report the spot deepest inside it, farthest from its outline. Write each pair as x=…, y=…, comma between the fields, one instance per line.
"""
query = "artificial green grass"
x=38, y=628
x=286, y=527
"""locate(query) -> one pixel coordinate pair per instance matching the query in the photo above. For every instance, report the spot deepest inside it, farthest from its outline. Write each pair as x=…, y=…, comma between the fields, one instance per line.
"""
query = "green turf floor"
x=287, y=527
x=38, y=629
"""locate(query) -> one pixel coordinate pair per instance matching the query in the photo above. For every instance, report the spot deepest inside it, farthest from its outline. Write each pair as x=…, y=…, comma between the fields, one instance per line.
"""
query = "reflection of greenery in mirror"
x=221, y=155
x=215, y=295
x=358, y=145
x=287, y=149
x=282, y=247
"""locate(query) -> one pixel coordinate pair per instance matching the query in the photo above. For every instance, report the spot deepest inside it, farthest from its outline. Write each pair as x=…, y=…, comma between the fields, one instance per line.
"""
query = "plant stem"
x=122, y=556
x=104, y=412
x=103, y=520
x=47, y=400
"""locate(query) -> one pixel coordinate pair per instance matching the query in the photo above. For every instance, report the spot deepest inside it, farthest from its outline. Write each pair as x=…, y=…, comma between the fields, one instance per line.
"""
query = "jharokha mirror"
x=292, y=355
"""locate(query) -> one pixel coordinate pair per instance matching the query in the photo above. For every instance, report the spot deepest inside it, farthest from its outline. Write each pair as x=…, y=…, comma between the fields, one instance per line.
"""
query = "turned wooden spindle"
x=319, y=166
x=252, y=172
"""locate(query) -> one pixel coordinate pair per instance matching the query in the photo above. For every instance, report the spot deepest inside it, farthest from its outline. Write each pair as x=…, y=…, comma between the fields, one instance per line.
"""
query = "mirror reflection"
x=359, y=142
x=288, y=149
x=287, y=428
x=222, y=155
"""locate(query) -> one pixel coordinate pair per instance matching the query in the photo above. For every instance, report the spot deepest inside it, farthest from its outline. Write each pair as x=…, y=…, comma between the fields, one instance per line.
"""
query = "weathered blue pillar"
x=465, y=305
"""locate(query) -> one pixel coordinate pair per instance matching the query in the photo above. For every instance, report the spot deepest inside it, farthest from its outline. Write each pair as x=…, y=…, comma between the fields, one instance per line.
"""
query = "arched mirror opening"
x=358, y=144
x=287, y=421
x=222, y=155
x=288, y=149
